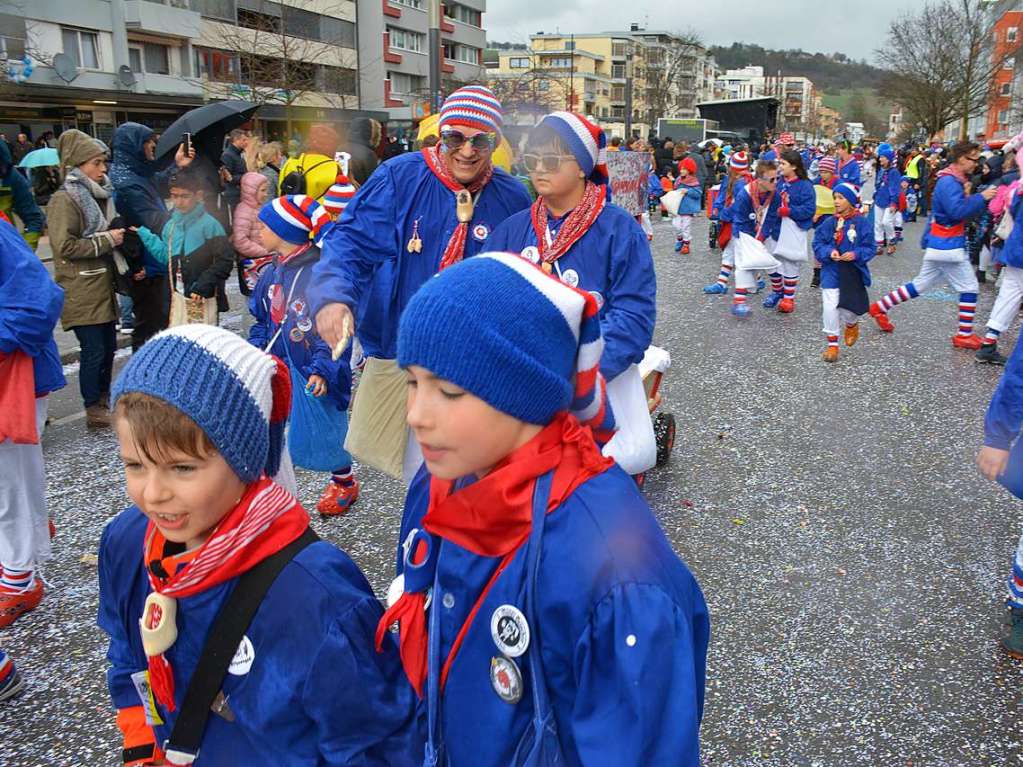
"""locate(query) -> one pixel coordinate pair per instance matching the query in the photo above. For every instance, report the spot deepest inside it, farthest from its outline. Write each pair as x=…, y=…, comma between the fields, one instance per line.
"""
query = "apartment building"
x=745, y=83
x=394, y=53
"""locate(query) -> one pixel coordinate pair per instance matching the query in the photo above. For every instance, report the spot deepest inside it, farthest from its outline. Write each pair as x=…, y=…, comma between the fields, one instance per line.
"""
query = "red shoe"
x=787, y=305
x=881, y=319
x=971, y=342
x=15, y=604
x=338, y=498
x=53, y=530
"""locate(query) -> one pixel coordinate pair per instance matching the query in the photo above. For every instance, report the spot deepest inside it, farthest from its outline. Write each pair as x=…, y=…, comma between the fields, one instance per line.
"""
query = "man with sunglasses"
x=944, y=240
x=416, y=215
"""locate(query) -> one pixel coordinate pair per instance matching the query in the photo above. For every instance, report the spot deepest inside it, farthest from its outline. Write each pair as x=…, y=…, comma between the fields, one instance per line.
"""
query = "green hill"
x=830, y=72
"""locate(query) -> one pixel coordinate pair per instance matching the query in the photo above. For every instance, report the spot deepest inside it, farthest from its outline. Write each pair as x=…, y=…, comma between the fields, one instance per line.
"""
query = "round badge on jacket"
x=570, y=277
x=510, y=631
x=531, y=254
x=480, y=232
x=506, y=679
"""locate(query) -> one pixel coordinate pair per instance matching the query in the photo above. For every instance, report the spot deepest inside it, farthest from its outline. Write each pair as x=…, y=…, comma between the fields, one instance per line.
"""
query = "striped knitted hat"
x=787, y=139
x=237, y=394
x=584, y=140
x=293, y=217
x=527, y=374
x=474, y=106
x=739, y=161
x=338, y=196
x=851, y=192
x=827, y=164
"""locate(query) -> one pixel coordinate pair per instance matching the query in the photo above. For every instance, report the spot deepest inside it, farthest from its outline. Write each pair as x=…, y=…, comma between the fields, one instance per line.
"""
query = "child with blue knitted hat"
x=290, y=227
x=199, y=415
x=556, y=597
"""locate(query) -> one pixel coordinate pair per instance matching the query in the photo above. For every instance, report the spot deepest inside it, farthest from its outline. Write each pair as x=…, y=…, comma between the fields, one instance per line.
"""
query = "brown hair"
x=765, y=165
x=962, y=149
x=158, y=429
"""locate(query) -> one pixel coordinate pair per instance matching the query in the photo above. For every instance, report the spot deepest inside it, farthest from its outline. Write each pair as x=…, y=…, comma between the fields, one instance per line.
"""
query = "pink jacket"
x=1001, y=201
x=245, y=226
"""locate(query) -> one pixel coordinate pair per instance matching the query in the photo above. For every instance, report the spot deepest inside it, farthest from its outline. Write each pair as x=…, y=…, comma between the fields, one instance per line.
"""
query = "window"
x=619, y=49
x=411, y=4
x=520, y=63
x=558, y=62
x=618, y=93
x=337, y=31
x=216, y=9
x=157, y=59
x=1011, y=34
x=81, y=46
x=339, y=80
x=135, y=59
x=462, y=13
x=1005, y=90
x=618, y=71
x=570, y=45
x=219, y=66
x=403, y=40
x=1003, y=116
x=300, y=23
x=263, y=22
x=618, y=112
x=407, y=85
x=12, y=37
x=463, y=53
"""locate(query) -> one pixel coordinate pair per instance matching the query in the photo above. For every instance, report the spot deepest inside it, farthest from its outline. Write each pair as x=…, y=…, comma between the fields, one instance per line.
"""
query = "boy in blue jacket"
x=556, y=596
x=944, y=243
x=688, y=181
x=574, y=232
x=887, y=190
x=284, y=327
x=200, y=418
x=754, y=212
x=842, y=246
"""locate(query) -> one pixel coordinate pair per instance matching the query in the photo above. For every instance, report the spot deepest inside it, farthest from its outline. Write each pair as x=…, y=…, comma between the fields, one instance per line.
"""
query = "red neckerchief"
x=492, y=518
x=840, y=224
x=954, y=172
x=264, y=521
x=278, y=311
x=754, y=195
x=574, y=227
x=455, y=250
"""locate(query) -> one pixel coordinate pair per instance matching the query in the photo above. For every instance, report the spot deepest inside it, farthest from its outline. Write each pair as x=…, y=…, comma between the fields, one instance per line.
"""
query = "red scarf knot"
x=574, y=227
x=455, y=250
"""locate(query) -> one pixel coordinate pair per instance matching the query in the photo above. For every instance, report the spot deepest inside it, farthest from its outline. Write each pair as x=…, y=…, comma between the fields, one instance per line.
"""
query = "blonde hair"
x=251, y=154
x=267, y=152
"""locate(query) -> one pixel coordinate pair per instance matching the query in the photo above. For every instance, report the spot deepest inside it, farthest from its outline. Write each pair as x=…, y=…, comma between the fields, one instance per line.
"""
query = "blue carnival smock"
x=612, y=261
x=30, y=305
x=824, y=245
x=690, y=204
x=802, y=204
x=742, y=214
x=1004, y=417
x=624, y=632
x=310, y=353
x=719, y=206
x=888, y=187
x=376, y=228
x=1011, y=254
x=848, y=171
x=950, y=209
x=316, y=692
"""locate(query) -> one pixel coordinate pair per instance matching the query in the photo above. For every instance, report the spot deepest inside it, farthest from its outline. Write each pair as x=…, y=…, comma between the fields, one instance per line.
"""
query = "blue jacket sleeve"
x=628, y=322
x=363, y=238
x=30, y=301
x=958, y=206
x=119, y=652
x=152, y=242
x=24, y=203
x=259, y=333
x=640, y=668
x=136, y=204
x=865, y=248
x=824, y=242
x=803, y=204
x=345, y=673
x=1005, y=413
x=718, y=208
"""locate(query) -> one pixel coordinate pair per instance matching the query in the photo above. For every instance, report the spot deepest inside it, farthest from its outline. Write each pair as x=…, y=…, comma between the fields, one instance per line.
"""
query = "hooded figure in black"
x=363, y=140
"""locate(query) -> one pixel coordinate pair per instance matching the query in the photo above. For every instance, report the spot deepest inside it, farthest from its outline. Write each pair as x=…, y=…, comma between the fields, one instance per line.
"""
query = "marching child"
x=539, y=613
x=200, y=418
x=682, y=222
x=572, y=231
x=285, y=328
x=738, y=176
x=887, y=193
x=753, y=212
x=842, y=246
x=795, y=218
x=200, y=255
x=826, y=168
x=944, y=241
x=1010, y=293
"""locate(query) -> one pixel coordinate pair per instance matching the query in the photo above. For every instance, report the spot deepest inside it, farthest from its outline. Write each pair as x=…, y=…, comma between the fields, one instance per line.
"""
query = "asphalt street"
x=852, y=558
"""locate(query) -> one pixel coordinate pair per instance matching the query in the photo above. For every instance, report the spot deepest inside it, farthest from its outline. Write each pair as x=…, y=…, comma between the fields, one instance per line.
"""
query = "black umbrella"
x=208, y=126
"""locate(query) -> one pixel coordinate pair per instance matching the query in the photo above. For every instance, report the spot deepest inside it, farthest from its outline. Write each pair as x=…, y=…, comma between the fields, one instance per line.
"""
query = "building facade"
x=745, y=83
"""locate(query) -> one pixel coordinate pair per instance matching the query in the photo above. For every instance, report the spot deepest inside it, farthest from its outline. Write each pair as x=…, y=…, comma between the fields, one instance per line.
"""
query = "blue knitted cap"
x=520, y=340
x=237, y=394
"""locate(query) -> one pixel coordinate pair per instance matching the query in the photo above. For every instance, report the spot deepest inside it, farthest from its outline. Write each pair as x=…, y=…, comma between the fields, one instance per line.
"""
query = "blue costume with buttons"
x=742, y=213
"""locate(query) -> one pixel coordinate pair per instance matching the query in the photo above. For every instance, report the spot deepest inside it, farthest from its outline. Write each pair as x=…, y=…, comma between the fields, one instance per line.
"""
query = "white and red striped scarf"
x=455, y=250
x=575, y=226
x=264, y=521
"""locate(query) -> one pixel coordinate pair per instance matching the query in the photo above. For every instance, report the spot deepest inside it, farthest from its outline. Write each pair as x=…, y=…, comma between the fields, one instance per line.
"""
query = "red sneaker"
x=787, y=305
x=971, y=342
x=53, y=530
x=14, y=604
x=881, y=319
x=338, y=498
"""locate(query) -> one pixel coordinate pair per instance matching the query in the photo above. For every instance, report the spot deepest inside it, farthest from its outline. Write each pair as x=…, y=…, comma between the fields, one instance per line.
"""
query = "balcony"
x=164, y=19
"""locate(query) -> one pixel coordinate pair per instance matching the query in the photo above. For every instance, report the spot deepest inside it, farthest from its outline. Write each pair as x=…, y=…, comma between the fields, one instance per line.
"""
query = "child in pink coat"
x=245, y=230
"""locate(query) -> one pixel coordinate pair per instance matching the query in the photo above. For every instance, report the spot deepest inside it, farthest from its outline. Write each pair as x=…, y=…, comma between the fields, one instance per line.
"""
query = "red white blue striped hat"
x=473, y=106
x=294, y=217
x=338, y=196
x=739, y=161
x=584, y=140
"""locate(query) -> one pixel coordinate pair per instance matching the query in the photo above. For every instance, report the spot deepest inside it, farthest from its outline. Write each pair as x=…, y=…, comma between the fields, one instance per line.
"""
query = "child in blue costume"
x=754, y=212
x=200, y=419
x=594, y=245
x=842, y=246
x=796, y=211
x=682, y=221
x=554, y=591
x=284, y=323
x=887, y=191
x=738, y=176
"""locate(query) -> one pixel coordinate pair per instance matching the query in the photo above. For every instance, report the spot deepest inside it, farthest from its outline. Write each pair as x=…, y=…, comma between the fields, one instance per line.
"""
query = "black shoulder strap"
x=225, y=635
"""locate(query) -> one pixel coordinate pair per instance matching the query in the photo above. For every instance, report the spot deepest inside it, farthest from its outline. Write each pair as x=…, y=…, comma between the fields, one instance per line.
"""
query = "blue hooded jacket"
x=138, y=188
x=16, y=197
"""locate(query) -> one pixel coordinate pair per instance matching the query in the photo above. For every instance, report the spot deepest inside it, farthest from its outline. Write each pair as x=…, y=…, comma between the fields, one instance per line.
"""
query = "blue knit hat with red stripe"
x=294, y=217
x=473, y=106
x=531, y=370
x=851, y=192
x=584, y=140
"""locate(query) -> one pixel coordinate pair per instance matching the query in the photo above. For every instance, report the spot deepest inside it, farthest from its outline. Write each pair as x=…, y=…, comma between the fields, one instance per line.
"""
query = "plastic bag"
x=633, y=446
x=751, y=255
x=316, y=429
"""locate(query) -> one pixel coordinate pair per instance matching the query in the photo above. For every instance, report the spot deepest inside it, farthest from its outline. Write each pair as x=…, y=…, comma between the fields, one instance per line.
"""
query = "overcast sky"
x=854, y=29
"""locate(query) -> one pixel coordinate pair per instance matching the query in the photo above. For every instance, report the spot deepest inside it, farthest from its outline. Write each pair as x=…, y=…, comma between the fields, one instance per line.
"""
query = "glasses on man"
x=481, y=142
x=545, y=163
x=769, y=179
x=973, y=159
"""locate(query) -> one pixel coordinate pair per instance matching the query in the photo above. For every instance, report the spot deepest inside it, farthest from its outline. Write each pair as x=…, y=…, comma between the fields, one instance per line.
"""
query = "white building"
x=855, y=132
x=745, y=83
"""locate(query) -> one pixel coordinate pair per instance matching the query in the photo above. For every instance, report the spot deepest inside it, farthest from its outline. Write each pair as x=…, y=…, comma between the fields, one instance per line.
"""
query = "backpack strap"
x=182, y=748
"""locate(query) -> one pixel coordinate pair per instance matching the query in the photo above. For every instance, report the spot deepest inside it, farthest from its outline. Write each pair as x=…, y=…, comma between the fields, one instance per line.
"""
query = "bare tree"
x=941, y=61
x=668, y=73
x=279, y=54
